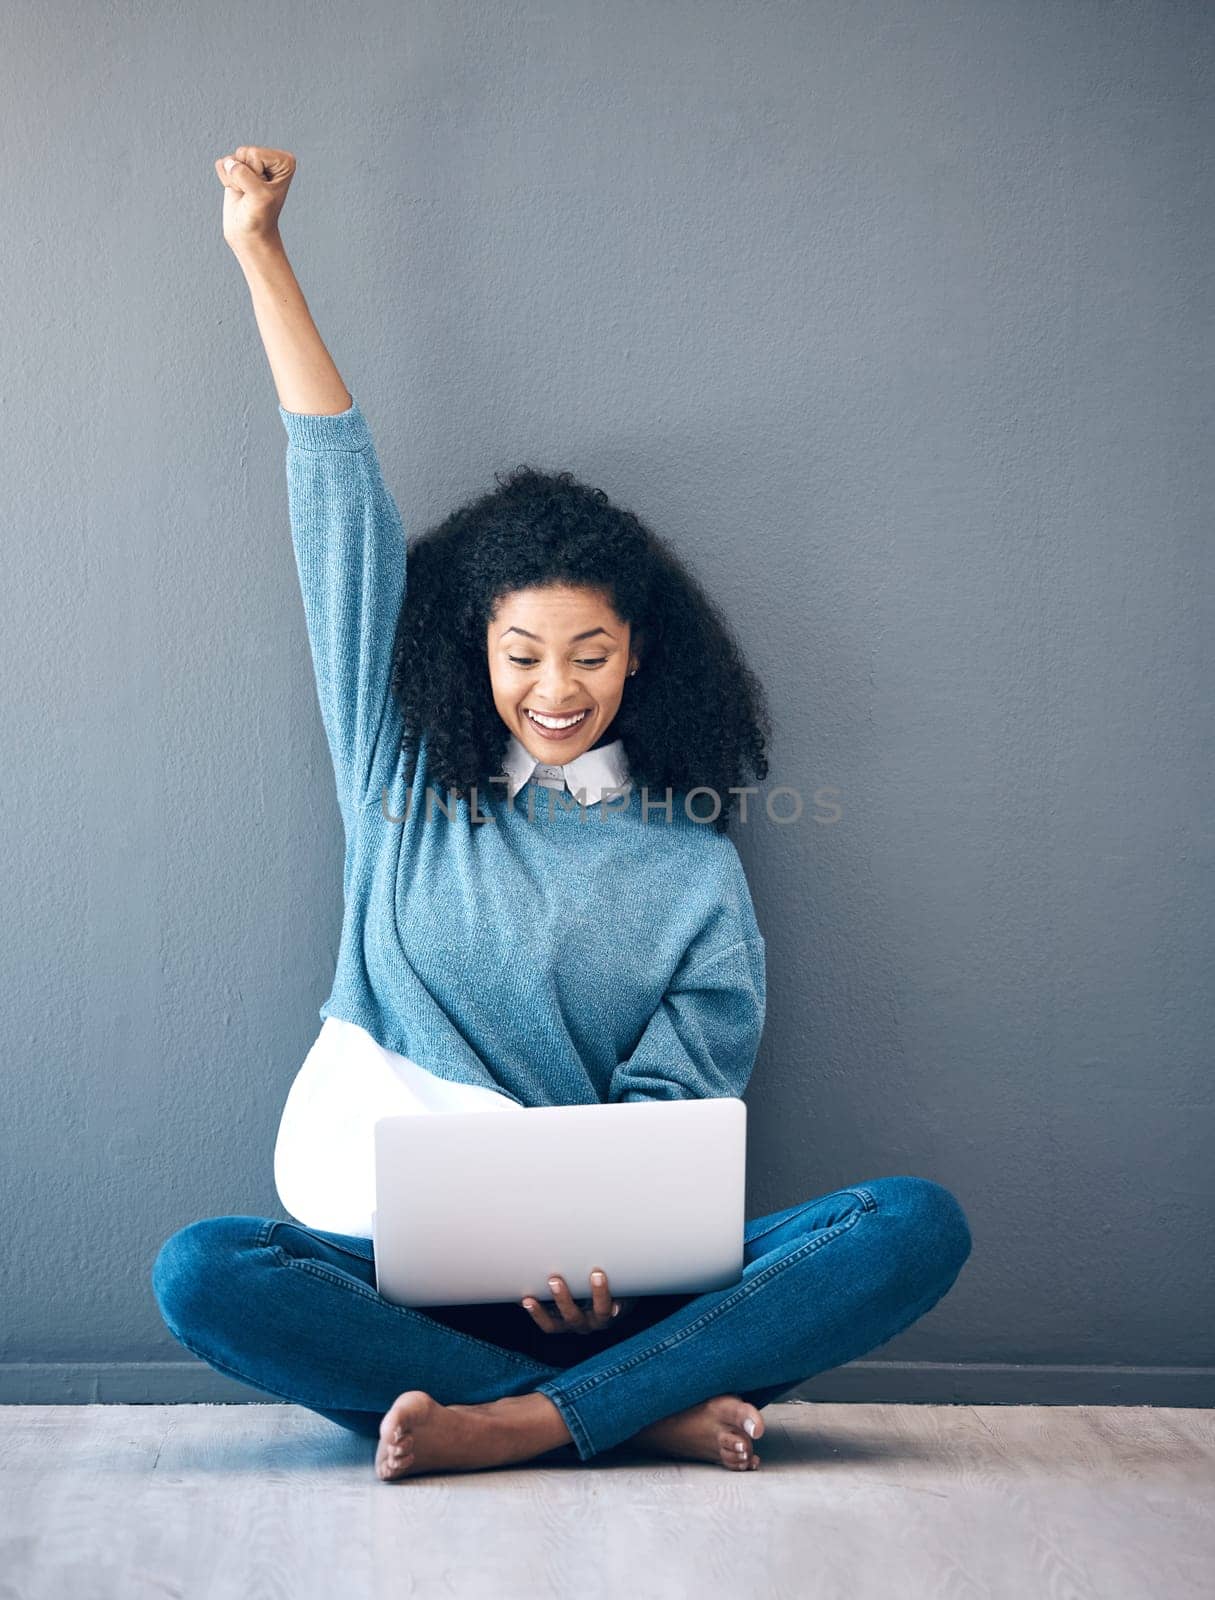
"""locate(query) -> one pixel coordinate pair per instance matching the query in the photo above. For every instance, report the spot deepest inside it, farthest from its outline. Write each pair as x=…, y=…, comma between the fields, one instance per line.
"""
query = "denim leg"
x=823, y=1282
x=294, y=1311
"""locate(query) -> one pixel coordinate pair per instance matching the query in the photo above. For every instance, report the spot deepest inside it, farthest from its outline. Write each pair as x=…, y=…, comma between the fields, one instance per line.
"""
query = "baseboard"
x=890, y=1382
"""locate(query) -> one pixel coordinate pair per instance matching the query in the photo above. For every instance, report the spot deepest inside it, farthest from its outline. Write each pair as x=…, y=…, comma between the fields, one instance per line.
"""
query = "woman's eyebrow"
x=588, y=634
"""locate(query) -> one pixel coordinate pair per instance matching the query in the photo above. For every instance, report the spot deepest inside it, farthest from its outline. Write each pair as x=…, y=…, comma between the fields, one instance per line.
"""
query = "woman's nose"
x=556, y=688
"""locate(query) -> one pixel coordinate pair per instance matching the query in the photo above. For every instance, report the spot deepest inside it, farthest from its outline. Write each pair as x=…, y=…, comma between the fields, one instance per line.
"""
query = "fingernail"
x=749, y=1426
x=229, y=164
x=554, y=1283
x=616, y=1308
x=596, y=1277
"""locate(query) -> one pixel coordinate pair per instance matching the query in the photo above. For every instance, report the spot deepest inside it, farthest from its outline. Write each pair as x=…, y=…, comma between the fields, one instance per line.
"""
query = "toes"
x=407, y=1408
x=735, y=1452
x=395, y=1463
x=748, y=1420
x=395, y=1451
x=391, y=1427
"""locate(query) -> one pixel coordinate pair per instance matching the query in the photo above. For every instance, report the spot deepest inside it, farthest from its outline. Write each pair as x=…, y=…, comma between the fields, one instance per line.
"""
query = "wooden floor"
x=236, y=1502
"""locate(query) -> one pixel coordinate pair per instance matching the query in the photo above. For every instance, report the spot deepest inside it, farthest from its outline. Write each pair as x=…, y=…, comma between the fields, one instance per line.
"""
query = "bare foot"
x=418, y=1434
x=710, y=1431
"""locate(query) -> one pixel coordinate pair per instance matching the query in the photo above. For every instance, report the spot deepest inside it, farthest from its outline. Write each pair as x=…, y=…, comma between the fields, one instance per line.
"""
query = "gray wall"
x=898, y=320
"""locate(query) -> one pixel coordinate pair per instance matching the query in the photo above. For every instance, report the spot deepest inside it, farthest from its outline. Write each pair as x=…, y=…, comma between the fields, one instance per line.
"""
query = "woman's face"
x=557, y=651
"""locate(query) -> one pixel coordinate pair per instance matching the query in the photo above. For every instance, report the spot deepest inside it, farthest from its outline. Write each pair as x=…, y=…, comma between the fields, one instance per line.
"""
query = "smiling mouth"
x=557, y=727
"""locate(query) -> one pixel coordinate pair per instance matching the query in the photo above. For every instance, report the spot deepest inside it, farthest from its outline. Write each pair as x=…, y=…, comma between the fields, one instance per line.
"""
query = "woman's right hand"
x=255, y=183
x=576, y=1316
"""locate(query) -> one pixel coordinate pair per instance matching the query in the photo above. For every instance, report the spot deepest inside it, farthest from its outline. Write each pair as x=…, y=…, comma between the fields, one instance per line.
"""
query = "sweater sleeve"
x=702, y=1041
x=350, y=556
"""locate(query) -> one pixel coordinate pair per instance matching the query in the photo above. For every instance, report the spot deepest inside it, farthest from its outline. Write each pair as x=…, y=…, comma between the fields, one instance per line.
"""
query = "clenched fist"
x=255, y=183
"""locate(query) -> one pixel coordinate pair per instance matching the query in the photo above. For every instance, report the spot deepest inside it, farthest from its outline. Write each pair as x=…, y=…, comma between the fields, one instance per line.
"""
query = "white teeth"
x=555, y=722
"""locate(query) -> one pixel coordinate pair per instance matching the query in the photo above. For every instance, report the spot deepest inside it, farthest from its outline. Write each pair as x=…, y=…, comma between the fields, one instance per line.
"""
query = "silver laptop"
x=474, y=1207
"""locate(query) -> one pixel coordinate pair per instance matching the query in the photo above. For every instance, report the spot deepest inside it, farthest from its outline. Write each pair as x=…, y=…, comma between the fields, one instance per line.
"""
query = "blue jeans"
x=294, y=1311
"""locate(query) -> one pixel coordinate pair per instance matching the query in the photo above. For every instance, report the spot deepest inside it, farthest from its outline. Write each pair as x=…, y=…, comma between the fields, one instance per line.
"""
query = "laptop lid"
x=473, y=1207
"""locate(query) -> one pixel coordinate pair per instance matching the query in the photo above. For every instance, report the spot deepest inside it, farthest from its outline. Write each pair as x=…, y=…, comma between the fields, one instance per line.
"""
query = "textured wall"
x=898, y=320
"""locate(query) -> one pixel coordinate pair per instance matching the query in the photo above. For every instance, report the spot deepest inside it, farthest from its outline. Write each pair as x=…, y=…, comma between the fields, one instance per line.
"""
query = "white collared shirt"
x=599, y=771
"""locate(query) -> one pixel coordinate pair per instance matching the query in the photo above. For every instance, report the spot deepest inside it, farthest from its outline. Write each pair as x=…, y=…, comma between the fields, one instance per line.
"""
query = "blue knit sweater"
x=556, y=954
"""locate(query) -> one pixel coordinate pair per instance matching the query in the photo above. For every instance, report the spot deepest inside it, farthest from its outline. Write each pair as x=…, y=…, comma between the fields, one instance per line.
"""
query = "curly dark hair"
x=694, y=714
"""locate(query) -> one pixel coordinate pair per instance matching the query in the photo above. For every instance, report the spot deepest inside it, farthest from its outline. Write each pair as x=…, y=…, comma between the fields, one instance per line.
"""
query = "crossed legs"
x=294, y=1312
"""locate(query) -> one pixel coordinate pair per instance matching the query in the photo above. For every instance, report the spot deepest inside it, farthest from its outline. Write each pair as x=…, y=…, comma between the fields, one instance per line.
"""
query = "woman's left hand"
x=577, y=1316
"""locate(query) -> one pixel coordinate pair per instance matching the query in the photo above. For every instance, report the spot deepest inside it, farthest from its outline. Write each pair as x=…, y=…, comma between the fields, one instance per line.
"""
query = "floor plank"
x=241, y=1502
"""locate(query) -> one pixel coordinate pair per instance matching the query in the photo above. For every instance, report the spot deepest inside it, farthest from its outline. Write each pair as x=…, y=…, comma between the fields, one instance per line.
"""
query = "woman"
x=499, y=951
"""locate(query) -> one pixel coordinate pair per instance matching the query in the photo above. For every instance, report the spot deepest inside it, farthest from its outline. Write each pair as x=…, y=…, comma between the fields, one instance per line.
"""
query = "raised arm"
x=345, y=526
x=255, y=183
